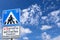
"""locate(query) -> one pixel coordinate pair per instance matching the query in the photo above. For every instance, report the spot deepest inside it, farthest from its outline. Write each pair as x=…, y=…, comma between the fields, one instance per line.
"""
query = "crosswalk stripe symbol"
x=11, y=19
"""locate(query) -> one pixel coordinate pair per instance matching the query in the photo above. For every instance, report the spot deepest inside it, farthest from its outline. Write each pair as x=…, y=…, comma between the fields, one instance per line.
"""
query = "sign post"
x=11, y=38
x=11, y=23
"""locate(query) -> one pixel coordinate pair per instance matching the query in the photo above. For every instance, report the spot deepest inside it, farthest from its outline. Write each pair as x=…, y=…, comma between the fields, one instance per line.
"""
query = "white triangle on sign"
x=14, y=19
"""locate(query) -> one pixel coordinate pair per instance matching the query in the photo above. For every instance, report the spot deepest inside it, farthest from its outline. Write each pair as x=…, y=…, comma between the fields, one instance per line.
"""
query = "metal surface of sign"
x=11, y=32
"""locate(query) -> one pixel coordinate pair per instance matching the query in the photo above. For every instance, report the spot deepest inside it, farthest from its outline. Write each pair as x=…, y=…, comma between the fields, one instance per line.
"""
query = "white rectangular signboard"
x=11, y=32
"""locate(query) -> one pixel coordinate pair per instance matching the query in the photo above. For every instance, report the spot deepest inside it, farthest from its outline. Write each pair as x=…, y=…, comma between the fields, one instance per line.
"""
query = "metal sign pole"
x=11, y=38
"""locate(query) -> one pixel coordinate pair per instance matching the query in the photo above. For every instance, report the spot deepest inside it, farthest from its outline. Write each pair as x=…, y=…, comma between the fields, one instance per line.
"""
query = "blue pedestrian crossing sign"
x=11, y=17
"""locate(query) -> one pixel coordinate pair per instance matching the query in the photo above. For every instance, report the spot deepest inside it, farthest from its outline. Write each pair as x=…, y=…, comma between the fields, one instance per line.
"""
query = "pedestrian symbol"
x=11, y=17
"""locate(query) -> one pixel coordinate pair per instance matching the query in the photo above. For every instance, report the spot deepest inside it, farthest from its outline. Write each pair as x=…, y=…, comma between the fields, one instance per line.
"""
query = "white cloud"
x=0, y=30
x=46, y=36
x=53, y=16
x=56, y=38
x=24, y=16
x=55, y=13
x=34, y=21
x=31, y=14
x=43, y=17
x=0, y=22
x=25, y=38
x=0, y=33
x=58, y=24
x=25, y=31
x=45, y=27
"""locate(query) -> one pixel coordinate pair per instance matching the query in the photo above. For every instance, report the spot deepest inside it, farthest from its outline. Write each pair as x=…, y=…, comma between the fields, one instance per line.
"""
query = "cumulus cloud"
x=0, y=28
x=45, y=27
x=25, y=38
x=24, y=16
x=55, y=13
x=54, y=16
x=44, y=17
x=58, y=24
x=56, y=38
x=0, y=33
x=31, y=15
x=0, y=22
x=46, y=36
x=25, y=31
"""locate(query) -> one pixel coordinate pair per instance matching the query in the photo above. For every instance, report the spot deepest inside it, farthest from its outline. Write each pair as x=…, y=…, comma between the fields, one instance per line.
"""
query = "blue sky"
x=40, y=19
x=6, y=4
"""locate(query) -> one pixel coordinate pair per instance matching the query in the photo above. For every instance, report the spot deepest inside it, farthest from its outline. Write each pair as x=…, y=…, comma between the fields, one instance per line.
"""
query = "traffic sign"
x=11, y=32
x=11, y=17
